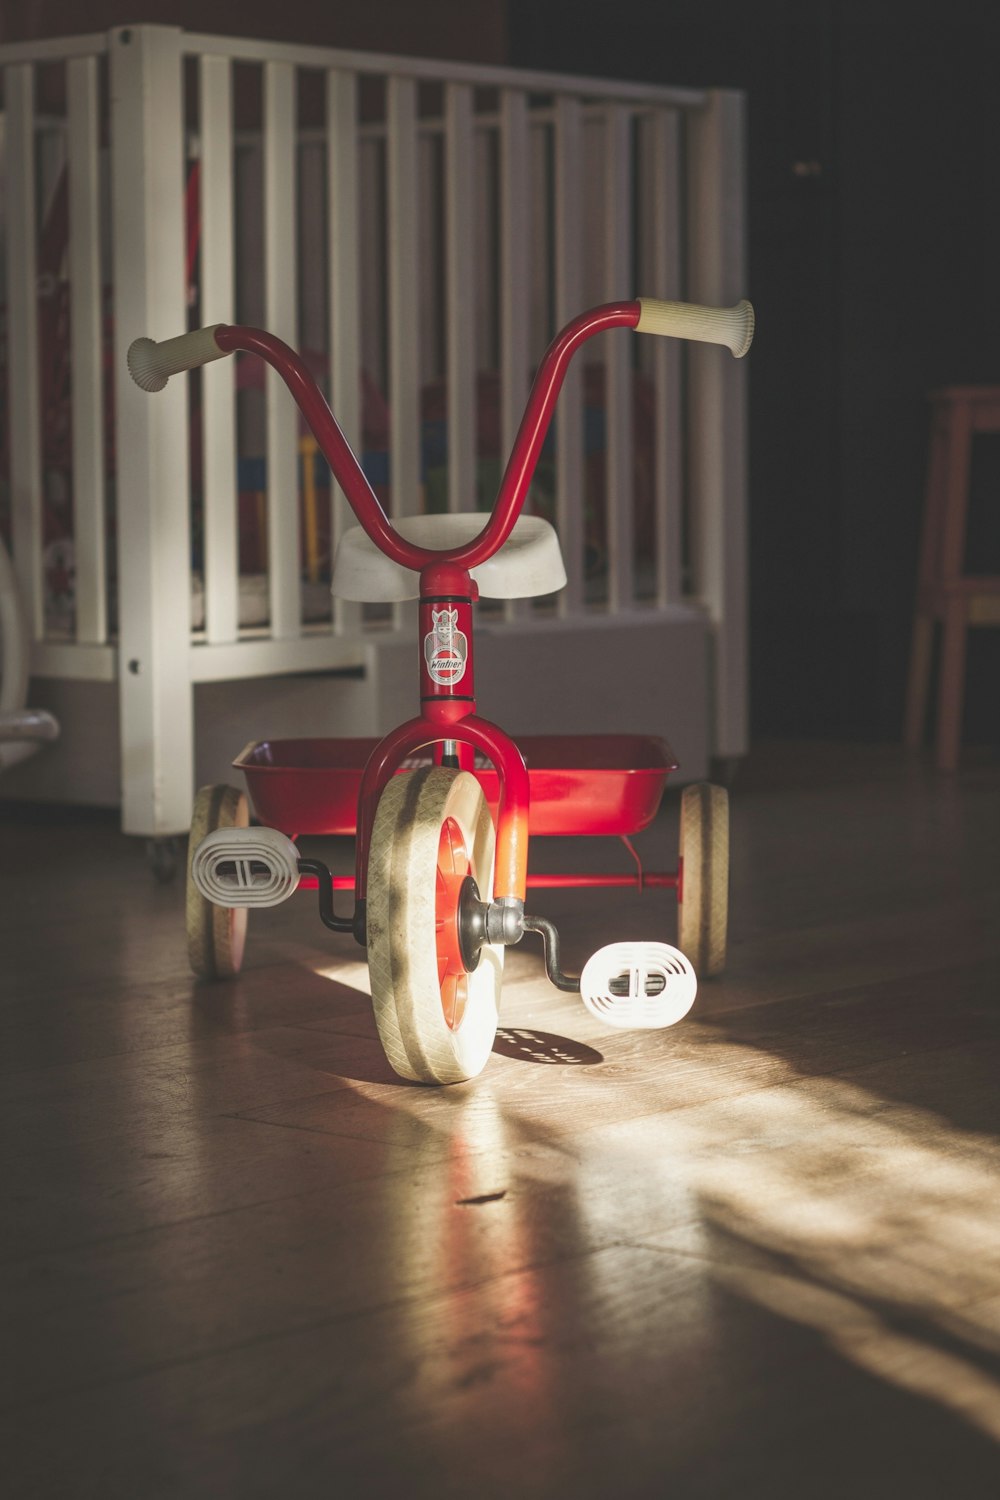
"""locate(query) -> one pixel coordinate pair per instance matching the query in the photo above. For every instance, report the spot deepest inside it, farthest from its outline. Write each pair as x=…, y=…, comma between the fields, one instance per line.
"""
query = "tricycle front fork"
x=448, y=712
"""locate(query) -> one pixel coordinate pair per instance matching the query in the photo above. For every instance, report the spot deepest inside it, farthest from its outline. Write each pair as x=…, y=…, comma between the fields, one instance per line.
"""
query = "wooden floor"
x=755, y=1255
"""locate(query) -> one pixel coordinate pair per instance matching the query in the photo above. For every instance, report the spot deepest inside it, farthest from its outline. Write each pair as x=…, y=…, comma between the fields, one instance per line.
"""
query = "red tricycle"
x=443, y=805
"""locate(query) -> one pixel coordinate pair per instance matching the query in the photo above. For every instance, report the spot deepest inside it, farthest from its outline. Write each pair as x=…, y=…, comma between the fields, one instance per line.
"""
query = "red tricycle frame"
x=435, y=945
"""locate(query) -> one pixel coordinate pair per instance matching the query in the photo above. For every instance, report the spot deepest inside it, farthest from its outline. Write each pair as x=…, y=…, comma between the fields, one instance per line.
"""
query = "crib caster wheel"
x=703, y=908
x=215, y=934
x=161, y=856
x=436, y=1017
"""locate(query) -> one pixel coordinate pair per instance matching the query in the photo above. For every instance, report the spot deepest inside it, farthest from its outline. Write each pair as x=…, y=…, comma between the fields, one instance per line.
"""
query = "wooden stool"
x=944, y=592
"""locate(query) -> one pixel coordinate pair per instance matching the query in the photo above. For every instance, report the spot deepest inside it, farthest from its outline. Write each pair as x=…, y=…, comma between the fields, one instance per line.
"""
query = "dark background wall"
x=874, y=264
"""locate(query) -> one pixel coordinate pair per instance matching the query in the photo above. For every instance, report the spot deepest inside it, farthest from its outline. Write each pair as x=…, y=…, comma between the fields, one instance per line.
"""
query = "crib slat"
x=717, y=408
x=345, y=292
x=460, y=298
x=515, y=306
x=570, y=497
x=404, y=311
x=22, y=332
x=86, y=346
x=218, y=389
x=280, y=302
x=662, y=194
x=617, y=361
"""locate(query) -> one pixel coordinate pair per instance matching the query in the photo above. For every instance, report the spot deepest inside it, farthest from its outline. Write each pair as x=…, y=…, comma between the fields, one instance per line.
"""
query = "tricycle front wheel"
x=703, y=907
x=215, y=934
x=436, y=1018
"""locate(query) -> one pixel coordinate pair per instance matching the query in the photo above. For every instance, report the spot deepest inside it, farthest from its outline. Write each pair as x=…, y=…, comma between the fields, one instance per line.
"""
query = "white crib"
x=423, y=228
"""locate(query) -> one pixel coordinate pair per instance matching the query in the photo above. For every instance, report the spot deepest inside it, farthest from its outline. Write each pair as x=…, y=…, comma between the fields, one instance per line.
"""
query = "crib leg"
x=153, y=482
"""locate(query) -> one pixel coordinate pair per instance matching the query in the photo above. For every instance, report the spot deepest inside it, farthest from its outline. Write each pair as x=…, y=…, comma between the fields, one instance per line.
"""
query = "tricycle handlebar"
x=732, y=326
x=151, y=364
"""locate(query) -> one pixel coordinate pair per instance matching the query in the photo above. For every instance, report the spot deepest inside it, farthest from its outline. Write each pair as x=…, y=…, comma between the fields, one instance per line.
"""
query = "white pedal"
x=638, y=986
x=246, y=867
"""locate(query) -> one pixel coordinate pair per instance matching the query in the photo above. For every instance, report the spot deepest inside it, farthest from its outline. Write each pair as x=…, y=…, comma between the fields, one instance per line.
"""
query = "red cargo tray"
x=599, y=784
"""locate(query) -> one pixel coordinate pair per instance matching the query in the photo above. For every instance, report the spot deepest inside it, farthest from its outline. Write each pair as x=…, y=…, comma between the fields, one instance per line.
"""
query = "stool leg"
x=949, y=729
x=935, y=489
x=919, y=681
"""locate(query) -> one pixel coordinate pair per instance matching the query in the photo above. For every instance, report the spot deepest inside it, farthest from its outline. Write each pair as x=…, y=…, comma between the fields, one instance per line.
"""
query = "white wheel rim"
x=429, y=1036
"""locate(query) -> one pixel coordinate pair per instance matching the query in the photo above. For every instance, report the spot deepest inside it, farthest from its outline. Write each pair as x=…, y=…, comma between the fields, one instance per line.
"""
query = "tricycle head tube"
x=451, y=718
x=446, y=595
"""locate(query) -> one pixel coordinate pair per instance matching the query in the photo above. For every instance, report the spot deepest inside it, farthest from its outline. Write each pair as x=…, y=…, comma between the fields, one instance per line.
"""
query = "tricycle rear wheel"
x=703, y=905
x=215, y=934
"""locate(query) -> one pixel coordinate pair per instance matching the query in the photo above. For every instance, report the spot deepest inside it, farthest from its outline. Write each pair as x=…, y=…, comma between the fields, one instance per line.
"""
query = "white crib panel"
x=492, y=175
x=661, y=277
x=460, y=297
x=618, y=483
x=281, y=319
x=717, y=408
x=86, y=351
x=22, y=332
x=219, y=481
x=154, y=543
x=570, y=495
x=342, y=148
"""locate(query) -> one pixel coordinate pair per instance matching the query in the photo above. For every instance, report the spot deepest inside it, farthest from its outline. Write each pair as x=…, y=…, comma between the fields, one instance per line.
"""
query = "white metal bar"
x=484, y=121
x=479, y=76
x=618, y=483
x=154, y=545
x=661, y=191
x=86, y=350
x=432, y=335
x=515, y=287
x=280, y=313
x=54, y=50
x=81, y=663
x=717, y=409
x=345, y=292
x=404, y=353
x=460, y=297
x=320, y=652
x=372, y=236
x=22, y=358
x=568, y=303
x=218, y=390
x=485, y=239
x=541, y=247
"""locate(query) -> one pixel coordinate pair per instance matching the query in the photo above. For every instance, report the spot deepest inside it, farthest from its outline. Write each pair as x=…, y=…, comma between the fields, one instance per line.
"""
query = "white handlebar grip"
x=732, y=326
x=151, y=364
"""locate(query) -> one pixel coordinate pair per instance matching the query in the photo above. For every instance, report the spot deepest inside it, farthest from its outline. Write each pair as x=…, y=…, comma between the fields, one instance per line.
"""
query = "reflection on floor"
x=757, y=1254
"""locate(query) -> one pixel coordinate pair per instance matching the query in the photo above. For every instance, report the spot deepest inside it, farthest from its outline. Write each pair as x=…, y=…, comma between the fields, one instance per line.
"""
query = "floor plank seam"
x=293, y=1330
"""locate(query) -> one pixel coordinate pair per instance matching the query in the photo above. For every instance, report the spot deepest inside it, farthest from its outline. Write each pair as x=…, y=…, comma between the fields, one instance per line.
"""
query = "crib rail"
x=421, y=229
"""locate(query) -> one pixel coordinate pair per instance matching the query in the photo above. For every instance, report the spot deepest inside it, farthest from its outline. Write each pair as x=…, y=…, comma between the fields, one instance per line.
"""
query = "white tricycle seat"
x=529, y=563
